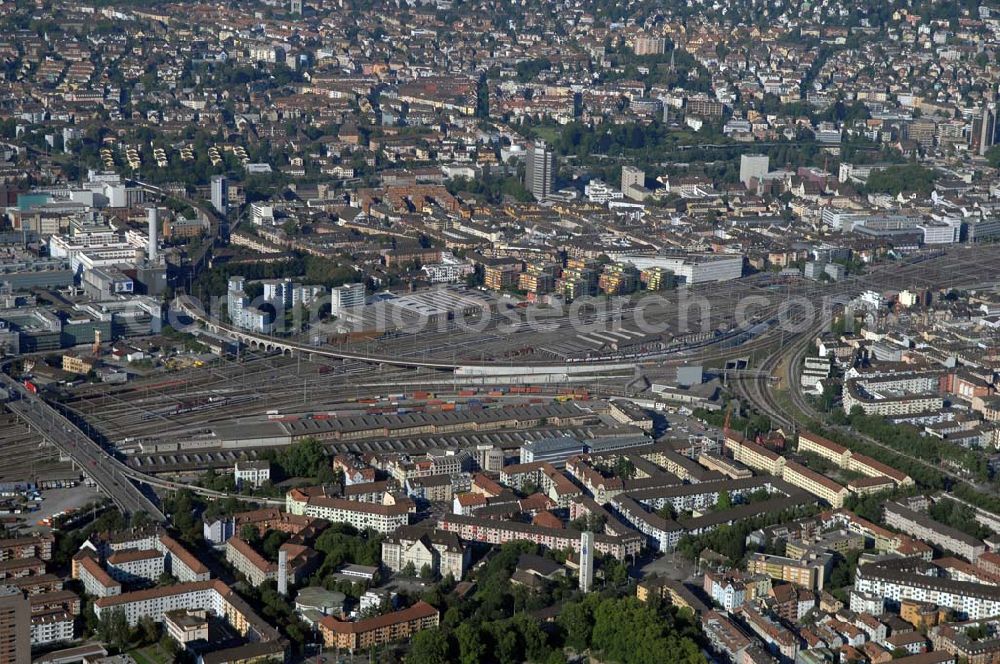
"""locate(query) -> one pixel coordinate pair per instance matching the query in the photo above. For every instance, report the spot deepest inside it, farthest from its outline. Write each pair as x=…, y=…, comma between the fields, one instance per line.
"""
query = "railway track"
x=922, y=270
x=757, y=391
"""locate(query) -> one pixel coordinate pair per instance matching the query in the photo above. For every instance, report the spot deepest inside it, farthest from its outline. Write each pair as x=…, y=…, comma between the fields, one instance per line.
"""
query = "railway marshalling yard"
x=452, y=386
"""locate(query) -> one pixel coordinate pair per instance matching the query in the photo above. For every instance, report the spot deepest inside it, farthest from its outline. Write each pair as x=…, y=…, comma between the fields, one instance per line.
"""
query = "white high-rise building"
x=753, y=166
x=220, y=194
x=538, y=171
x=586, y=561
x=280, y=292
x=345, y=297
x=632, y=177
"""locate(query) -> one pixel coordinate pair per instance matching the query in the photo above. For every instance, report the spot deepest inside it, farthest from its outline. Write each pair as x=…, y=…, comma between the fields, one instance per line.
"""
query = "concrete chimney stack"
x=154, y=222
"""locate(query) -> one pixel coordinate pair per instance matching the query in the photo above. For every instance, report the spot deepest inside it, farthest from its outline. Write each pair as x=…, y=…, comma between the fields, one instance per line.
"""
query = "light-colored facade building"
x=442, y=552
x=251, y=473
x=51, y=627
x=132, y=565
x=96, y=581
x=383, y=517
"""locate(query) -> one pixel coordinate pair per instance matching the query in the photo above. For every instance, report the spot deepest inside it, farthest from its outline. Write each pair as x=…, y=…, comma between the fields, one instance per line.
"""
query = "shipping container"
x=381, y=410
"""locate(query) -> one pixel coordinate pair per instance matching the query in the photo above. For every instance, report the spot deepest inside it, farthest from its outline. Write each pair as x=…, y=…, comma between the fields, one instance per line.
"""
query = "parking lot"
x=60, y=500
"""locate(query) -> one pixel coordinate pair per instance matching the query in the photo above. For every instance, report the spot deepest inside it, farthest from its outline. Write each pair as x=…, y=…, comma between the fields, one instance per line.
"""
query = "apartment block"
x=922, y=581
x=809, y=572
x=96, y=581
x=15, y=626
x=132, y=565
x=35, y=546
x=819, y=485
x=384, y=518
x=377, y=631
x=754, y=456
x=491, y=531
x=923, y=527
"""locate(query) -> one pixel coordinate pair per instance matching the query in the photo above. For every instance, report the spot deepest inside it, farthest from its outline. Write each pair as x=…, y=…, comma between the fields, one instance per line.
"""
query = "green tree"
x=113, y=629
x=993, y=156
x=624, y=468
x=471, y=647
x=272, y=543
x=250, y=534
x=147, y=631
x=909, y=178
x=429, y=646
x=577, y=620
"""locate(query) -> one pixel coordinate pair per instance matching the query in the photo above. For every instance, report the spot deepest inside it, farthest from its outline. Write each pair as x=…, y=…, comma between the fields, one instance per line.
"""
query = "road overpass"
x=110, y=474
x=121, y=483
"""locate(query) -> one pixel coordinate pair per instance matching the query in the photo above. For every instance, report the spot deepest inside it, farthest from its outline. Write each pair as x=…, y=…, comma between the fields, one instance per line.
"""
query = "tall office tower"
x=346, y=297
x=538, y=171
x=236, y=300
x=280, y=292
x=15, y=626
x=296, y=7
x=220, y=194
x=632, y=176
x=586, y=561
x=753, y=166
x=988, y=128
x=154, y=222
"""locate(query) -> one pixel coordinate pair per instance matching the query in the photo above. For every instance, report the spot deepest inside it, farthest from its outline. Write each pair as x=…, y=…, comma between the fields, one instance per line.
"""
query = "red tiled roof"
x=165, y=591
x=416, y=612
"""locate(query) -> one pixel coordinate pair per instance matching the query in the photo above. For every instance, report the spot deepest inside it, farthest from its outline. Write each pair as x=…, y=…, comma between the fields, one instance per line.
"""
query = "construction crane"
x=729, y=416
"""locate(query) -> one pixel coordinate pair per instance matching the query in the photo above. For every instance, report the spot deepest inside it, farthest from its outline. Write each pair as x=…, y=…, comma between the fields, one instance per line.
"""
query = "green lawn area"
x=153, y=654
x=547, y=134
